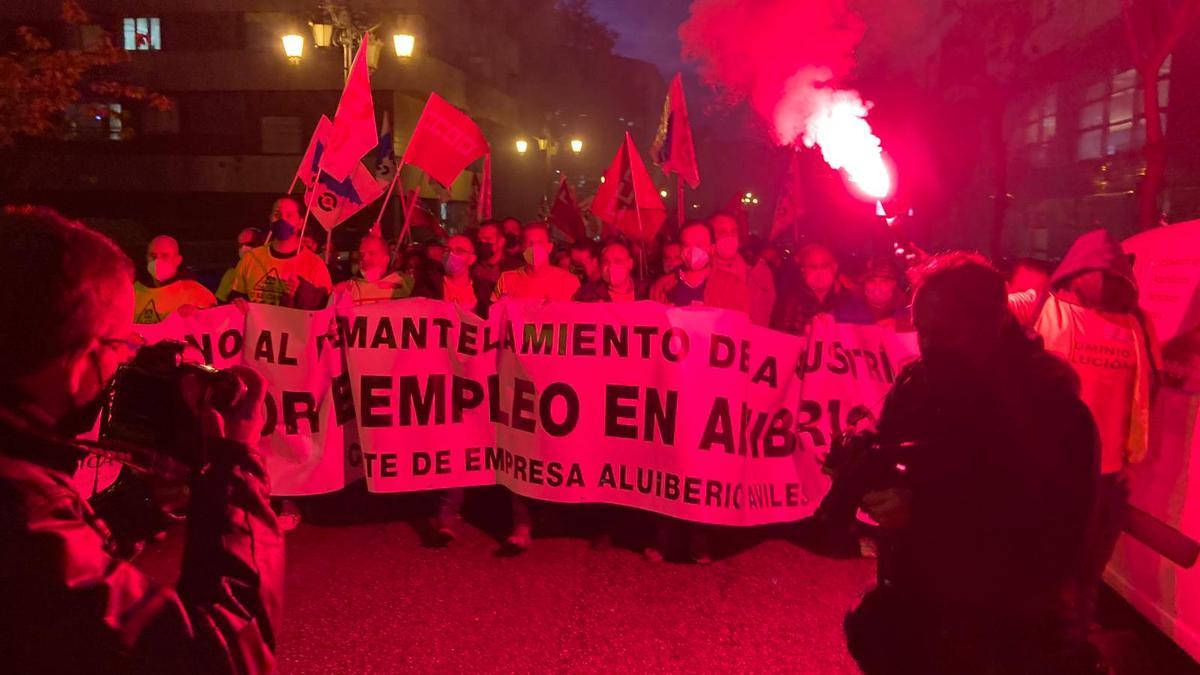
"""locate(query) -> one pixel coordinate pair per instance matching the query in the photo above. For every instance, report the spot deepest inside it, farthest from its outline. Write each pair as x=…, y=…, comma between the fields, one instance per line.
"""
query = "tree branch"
x=1181, y=20
x=1131, y=33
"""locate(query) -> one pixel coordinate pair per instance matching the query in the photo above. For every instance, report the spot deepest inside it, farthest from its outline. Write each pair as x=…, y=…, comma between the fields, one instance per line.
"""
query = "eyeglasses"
x=131, y=342
x=461, y=250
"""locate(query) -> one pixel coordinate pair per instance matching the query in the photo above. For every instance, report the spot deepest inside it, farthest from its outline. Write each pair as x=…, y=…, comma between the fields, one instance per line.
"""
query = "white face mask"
x=161, y=270
x=695, y=258
x=373, y=275
x=727, y=246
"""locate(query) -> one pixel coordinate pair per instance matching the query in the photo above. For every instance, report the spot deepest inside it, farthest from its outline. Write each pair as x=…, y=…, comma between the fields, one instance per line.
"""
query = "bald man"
x=373, y=283
x=163, y=286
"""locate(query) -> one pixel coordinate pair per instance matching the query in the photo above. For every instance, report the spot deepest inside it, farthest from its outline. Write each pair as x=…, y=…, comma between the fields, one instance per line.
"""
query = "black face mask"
x=486, y=251
x=511, y=242
x=283, y=230
x=81, y=418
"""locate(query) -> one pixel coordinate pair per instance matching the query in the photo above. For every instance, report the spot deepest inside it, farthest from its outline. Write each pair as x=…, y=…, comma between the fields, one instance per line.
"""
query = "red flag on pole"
x=354, y=133
x=672, y=149
x=790, y=207
x=627, y=199
x=565, y=214
x=445, y=141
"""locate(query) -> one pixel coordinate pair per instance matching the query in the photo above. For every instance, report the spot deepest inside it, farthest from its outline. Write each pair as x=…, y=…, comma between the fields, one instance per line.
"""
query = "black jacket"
x=430, y=285
x=70, y=606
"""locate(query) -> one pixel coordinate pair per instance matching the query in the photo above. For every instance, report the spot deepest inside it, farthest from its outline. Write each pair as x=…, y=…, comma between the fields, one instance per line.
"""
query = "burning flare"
x=841, y=130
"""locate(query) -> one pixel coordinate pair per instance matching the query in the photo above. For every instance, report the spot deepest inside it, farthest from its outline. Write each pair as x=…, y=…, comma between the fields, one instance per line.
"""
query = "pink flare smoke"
x=786, y=58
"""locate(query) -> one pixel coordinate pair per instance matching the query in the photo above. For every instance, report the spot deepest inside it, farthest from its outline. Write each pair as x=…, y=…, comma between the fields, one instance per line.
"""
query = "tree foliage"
x=42, y=79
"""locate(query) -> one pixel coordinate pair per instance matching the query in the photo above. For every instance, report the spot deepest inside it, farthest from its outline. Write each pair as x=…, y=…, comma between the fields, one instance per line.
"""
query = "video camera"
x=149, y=423
x=859, y=463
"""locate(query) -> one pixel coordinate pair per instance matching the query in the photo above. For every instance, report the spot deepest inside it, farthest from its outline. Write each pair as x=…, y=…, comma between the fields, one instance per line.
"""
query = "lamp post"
x=337, y=26
x=550, y=146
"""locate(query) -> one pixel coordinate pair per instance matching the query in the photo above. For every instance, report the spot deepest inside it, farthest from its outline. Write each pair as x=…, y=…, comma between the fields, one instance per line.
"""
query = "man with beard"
x=282, y=272
x=986, y=525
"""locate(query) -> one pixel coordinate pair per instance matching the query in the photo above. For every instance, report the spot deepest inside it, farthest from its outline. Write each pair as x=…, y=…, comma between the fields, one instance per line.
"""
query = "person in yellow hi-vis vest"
x=373, y=283
x=163, y=286
x=1091, y=318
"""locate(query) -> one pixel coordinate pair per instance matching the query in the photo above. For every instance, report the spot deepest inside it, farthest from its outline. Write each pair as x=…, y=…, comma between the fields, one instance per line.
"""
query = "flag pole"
x=678, y=203
x=629, y=148
x=387, y=196
x=308, y=204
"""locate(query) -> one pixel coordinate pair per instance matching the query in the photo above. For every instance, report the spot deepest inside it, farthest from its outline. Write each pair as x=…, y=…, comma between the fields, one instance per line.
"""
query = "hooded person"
x=1091, y=318
x=163, y=286
x=882, y=295
x=373, y=282
x=282, y=272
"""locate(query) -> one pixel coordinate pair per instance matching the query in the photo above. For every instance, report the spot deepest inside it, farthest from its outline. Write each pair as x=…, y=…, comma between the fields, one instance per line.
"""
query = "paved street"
x=366, y=597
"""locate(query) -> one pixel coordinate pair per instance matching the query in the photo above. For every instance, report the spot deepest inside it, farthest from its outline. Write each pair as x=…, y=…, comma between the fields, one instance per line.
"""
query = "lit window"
x=95, y=122
x=1112, y=119
x=1039, y=127
x=142, y=34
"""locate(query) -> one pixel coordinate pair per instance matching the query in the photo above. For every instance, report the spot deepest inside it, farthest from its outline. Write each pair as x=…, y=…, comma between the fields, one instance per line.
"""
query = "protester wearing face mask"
x=69, y=605
x=536, y=278
x=813, y=288
x=453, y=283
x=247, y=240
x=281, y=272
x=758, y=278
x=697, y=282
x=373, y=283
x=616, y=282
x=163, y=286
x=490, y=252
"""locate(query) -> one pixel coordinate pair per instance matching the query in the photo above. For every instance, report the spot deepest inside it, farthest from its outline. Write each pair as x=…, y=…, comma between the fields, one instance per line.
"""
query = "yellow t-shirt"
x=226, y=284
x=553, y=283
x=299, y=280
x=391, y=287
x=153, y=304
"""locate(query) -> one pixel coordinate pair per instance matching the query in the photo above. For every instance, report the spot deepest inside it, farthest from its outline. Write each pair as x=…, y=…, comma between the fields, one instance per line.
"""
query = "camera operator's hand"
x=243, y=421
x=891, y=508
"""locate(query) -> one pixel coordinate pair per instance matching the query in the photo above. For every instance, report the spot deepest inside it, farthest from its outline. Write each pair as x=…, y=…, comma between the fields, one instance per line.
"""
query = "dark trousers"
x=449, y=504
x=1112, y=504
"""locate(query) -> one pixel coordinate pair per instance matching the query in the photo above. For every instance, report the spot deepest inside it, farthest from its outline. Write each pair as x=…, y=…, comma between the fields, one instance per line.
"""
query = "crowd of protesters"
x=1085, y=305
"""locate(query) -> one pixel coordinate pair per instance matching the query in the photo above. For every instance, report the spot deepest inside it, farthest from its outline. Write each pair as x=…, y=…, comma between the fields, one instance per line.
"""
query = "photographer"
x=69, y=605
x=984, y=526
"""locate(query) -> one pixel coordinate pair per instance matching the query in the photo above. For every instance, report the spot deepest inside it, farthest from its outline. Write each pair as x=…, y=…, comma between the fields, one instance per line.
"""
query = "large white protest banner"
x=693, y=412
x=1167, y=484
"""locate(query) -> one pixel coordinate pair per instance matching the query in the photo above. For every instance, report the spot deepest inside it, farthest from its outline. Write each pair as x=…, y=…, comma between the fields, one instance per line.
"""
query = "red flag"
x=565, y=214
x=306, y=173
x=354, y=132
x=790, y=207
x=627, y=199
x=672, y=149
x=444, y=142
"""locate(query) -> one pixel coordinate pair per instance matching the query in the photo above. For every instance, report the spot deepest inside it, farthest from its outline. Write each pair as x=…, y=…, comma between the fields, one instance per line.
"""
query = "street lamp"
x=522, y=146
x=576, y=146
x=404, y=44
x=337, y=26
x=293, y=47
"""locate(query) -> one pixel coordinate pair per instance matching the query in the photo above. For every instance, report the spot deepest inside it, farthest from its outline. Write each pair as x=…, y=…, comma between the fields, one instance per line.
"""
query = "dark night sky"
x=648, y=29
